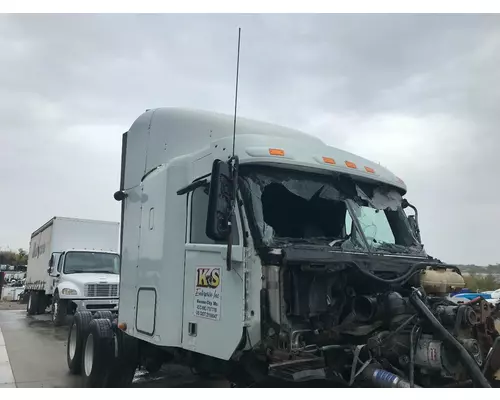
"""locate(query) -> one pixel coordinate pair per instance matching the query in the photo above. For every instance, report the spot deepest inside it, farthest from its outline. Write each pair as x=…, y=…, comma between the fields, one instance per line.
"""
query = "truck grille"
x=101, y=290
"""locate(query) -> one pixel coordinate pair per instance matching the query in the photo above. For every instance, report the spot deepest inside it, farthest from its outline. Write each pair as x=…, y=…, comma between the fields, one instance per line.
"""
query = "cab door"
x=55, y=270
x=213, y=296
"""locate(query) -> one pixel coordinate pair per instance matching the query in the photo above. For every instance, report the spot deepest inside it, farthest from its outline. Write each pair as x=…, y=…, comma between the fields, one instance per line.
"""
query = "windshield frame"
x=116, y=255
x=414, y=250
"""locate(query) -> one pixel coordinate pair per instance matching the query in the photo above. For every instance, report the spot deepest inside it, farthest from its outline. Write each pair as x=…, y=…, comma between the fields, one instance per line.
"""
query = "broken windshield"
x=293, y=206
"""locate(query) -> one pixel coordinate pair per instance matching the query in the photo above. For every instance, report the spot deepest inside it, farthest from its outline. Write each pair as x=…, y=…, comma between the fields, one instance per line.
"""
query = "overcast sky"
x=419, y=94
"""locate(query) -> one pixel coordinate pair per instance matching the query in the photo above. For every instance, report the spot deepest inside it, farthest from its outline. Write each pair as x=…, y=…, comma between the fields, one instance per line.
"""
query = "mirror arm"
x=414, y=210
x=192, y=186
x=236, y=163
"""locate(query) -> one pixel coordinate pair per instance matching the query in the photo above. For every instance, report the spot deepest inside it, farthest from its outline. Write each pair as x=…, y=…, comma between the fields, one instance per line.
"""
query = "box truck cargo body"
x=73, y=264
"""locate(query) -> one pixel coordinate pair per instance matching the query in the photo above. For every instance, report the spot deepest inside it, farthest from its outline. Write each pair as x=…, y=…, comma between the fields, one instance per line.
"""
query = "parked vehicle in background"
x=73, y=264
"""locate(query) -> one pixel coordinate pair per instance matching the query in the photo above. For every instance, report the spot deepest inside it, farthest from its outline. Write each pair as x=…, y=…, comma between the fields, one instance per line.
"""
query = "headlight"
x=69, y=292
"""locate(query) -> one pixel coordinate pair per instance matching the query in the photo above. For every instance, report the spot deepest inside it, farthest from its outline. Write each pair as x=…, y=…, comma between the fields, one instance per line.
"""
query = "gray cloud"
x=418, y=93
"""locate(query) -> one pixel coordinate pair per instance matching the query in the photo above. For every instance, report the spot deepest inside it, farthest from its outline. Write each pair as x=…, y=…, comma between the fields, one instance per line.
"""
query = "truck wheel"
x=125, y=361
x=32, y=307
x=104, y=315
x=42, y=303
x=97, y=353
x=59, y=310
x=77, y=333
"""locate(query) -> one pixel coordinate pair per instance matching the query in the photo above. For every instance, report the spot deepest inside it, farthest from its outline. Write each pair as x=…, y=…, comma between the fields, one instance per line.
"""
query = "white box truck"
x=73, y=264
x=283, y=259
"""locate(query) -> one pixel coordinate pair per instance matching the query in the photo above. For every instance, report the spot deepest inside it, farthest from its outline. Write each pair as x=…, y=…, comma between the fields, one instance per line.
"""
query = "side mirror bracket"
x=414, y=227
x=222, y=196
x=412, y=219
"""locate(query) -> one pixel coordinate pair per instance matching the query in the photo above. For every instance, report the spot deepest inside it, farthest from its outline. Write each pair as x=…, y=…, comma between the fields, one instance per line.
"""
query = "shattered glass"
x=292, y=206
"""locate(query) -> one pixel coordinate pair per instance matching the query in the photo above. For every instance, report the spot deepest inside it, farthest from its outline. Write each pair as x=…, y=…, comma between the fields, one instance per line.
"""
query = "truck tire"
x=125, y=361
x=98, y=353
x=32, y=306
x=42, y=303
x=77, y=333
x=59, y=310
x=104, y=315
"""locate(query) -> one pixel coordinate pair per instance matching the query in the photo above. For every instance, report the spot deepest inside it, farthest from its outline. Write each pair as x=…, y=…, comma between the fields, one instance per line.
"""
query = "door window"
x=60, y=263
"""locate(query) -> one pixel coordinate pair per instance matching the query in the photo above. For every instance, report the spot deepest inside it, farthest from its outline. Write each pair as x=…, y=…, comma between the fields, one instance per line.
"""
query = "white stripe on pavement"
x=6, y=376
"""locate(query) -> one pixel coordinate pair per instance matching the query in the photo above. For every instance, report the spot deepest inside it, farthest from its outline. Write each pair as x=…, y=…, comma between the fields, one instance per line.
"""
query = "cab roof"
x=161, y=134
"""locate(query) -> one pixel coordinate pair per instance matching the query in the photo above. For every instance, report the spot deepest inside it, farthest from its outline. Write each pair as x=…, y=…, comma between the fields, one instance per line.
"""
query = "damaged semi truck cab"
x=278, y=258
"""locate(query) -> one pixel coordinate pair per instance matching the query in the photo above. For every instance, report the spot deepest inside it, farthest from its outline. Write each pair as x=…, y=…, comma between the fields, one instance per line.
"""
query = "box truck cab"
x=282, y=259
x=73, y=265
x=84, y=279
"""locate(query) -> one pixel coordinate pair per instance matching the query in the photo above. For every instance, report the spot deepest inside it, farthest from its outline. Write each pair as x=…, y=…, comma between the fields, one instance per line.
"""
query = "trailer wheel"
x=59, y=310
x=77, y=334
x=32, y=307
x=97, y=353
x=104, y=315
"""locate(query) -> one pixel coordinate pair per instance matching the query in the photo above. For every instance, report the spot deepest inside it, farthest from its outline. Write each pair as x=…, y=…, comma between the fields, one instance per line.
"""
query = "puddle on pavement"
x=43, y=325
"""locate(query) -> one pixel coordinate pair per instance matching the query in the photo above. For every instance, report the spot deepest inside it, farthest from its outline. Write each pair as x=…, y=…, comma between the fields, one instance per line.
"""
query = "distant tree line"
x=481, y=278
x=479, y=269
x=12, y=258
x=481, y=283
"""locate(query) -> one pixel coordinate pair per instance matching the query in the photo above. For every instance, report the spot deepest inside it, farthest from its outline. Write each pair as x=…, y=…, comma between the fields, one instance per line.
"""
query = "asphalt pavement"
x=36, y=352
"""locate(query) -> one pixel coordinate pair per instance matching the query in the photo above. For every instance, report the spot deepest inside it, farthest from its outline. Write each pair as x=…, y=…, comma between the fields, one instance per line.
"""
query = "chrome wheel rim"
x=89, y=355
x=29, y=302
x=55, y=310
x=72, y=342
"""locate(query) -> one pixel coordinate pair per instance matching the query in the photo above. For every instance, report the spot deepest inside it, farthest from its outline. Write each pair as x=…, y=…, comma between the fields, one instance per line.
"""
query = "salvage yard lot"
x=37, y=355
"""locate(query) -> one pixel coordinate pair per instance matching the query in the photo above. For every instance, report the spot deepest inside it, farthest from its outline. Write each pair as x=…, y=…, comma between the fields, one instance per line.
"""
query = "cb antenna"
x=236, y=90
x=234, y=162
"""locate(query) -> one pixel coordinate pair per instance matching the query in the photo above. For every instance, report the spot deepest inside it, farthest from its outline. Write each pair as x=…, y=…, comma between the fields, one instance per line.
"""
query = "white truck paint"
x=73, y=263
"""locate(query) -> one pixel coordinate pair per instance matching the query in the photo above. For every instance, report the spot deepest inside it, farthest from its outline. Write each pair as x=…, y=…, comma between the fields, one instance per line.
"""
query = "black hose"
x=413, y=269
x=470, y=365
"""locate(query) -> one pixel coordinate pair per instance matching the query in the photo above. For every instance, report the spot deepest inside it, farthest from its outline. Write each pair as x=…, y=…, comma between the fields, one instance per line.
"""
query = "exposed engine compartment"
x=350, y=295
x=340, y=324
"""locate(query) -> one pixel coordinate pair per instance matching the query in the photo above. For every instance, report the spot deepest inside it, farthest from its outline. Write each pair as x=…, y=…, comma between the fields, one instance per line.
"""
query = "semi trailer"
x=73, y=264
x=264, y=255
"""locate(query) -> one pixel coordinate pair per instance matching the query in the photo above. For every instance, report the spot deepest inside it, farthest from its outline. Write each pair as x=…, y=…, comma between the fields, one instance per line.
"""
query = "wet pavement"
x=37, y=354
